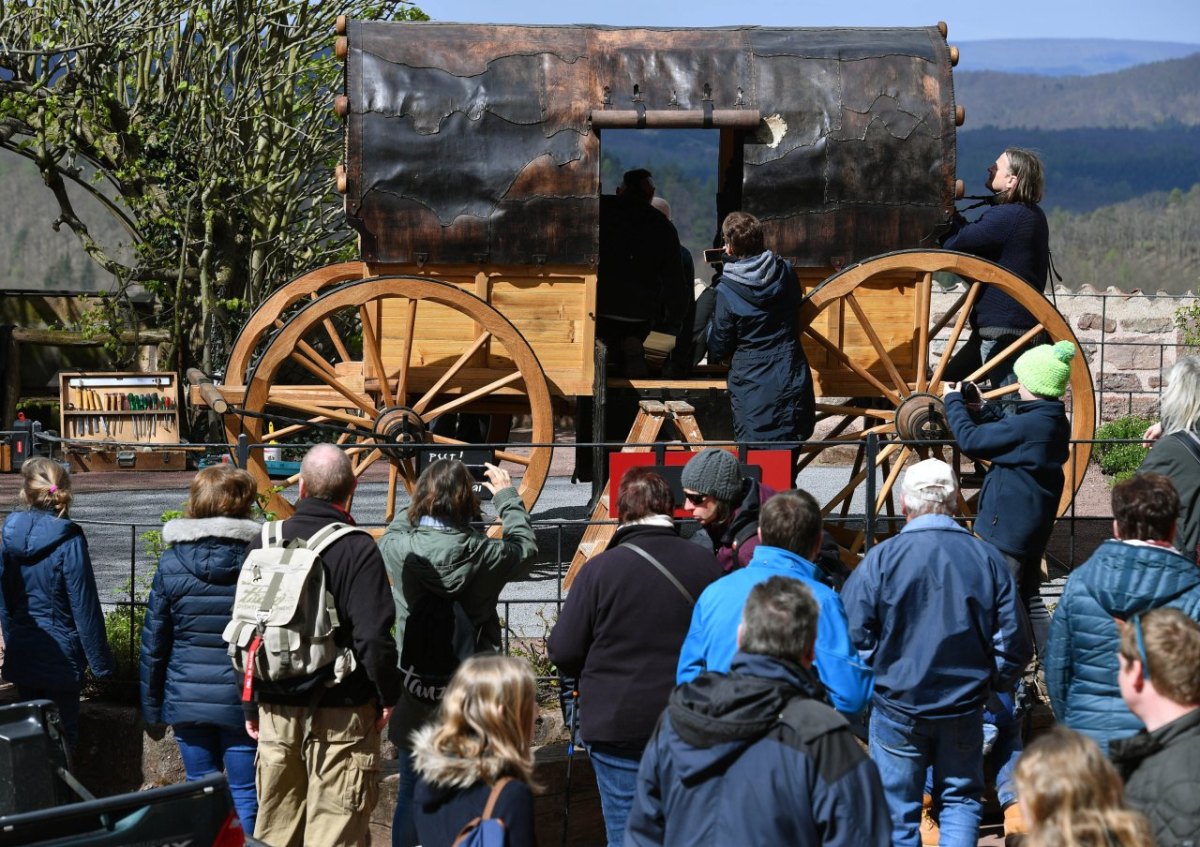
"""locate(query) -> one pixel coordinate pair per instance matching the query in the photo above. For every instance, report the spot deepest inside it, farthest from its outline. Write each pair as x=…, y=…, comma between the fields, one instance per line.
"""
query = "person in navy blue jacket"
x=936, y=614
x=753, y=756
x=49, y=607
x=187, y=679
x=754, y=328
x=790, y=534
x=1014, y=234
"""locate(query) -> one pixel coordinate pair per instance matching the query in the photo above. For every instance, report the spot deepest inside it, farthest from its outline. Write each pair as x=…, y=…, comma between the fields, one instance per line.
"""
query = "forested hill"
x=1064, y=56
x=1146, y=96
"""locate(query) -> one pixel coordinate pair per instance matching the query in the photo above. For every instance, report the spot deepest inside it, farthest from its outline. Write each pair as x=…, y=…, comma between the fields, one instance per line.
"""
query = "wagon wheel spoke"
x=862, y=372
x=452, y=371
x=295, y=429
x=374, y=354
x=885, y=490
x=471, y=396
x=320, y=411
x=965, y=311
x=815, y=451
x=828, y=410
x=363, y=403
x=924, y=305
x=365, y=462
x=1008, y=353
x=393, y=477
x=406, y=349
x=848, y=490
x=881, y=351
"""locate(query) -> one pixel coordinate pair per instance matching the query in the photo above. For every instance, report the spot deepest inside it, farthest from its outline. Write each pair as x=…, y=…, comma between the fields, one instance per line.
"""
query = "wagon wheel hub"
x=922, y=417
x=400, y=426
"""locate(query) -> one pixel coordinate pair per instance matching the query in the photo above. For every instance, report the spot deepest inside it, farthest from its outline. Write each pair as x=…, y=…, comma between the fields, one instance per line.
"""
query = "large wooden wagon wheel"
x=324, y=366
x=869, y=332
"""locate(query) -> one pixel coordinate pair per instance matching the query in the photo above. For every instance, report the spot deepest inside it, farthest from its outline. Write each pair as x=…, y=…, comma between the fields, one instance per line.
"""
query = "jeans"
x=404, y=821
x=208, y=748
x=616, y=778
x=68, y=709
x=903, y=748
x=1003, y=720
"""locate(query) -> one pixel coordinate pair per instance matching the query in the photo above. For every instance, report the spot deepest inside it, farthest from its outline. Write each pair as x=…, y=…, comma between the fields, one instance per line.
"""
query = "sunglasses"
x=1141, y=644
x=694, y=497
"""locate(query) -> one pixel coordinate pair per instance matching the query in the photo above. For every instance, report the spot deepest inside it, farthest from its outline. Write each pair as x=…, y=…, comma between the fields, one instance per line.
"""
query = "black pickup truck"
x=42, y=804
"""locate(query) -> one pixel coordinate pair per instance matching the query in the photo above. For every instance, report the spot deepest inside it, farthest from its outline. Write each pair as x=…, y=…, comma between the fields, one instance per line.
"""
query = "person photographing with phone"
x=431, y=550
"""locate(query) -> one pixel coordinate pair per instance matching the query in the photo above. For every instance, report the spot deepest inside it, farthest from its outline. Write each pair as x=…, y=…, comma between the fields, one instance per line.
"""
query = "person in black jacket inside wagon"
x=621, y=629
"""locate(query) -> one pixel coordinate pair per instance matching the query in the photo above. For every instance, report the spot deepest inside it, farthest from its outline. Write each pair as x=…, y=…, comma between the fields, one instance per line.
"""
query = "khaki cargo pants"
x=316, y=791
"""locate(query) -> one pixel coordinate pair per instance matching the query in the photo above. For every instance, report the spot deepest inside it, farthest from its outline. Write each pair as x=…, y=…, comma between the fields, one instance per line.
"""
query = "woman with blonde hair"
x=49, y=607
x=483, y=734
x=187, y=678
x=1071, y=795
x=1176, y=450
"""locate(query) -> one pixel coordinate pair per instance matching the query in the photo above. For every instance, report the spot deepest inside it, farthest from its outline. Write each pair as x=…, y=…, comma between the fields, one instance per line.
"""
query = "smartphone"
x=715, y=255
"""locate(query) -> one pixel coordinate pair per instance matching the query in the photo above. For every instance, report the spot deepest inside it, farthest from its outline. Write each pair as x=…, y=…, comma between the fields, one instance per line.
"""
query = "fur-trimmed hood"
x=194, y=529
x=448, y=771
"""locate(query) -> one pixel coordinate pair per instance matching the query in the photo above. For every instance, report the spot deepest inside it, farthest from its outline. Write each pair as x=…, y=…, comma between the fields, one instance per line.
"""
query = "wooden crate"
x=101, y=458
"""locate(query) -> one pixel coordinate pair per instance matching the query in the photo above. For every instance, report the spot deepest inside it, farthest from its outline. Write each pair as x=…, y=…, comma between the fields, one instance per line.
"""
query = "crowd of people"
x=736, y=683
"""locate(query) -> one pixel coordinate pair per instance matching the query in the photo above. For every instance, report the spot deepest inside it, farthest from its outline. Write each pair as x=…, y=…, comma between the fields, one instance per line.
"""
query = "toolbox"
x=121, y=421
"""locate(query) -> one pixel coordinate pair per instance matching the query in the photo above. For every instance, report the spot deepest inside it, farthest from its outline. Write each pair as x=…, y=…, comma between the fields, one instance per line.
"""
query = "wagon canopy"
x=473, y=143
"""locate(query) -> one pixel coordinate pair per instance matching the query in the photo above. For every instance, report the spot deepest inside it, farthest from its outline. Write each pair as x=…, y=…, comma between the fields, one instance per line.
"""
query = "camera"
x=715, y=255
x=971, y=394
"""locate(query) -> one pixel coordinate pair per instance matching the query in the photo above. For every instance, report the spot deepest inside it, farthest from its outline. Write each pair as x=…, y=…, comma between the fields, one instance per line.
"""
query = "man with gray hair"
x=936, y=612
x=319, y=742
x=701, y=777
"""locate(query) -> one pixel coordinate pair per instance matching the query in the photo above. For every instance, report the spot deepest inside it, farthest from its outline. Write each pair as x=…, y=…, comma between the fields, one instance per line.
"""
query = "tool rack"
x=121, y=421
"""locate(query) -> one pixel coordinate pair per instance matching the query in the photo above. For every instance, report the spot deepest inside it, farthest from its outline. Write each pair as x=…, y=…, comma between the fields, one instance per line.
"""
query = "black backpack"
x=438, y=637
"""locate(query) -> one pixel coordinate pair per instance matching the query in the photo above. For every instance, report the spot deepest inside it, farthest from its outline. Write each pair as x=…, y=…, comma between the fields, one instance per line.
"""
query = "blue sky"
x=1150, y=20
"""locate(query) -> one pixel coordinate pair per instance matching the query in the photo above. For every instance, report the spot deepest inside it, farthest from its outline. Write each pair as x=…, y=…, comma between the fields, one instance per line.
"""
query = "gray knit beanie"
x=714, y=471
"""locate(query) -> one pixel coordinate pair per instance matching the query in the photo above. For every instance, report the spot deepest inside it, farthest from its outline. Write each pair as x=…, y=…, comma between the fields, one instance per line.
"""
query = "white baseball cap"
x=931, y=479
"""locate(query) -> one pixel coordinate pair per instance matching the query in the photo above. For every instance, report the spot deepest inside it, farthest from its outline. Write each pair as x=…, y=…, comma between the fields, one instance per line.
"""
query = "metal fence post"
x=872, y=456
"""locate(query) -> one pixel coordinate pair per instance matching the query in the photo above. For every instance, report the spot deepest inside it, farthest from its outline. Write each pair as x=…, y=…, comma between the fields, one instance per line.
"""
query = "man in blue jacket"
x=936, y=613
x=789, y=530
x=753, y=756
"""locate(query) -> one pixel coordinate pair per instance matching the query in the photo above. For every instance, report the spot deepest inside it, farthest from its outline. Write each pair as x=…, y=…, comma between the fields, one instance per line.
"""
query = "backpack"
x=485, y=830
x=438, y=637
x=283, y=614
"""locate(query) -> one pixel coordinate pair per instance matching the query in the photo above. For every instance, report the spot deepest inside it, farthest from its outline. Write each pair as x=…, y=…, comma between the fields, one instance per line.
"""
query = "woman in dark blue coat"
x=188, y=680
x=754, y=327
x=50, y=611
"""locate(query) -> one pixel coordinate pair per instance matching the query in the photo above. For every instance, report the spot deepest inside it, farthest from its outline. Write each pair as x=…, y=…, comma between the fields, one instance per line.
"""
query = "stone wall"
x=1130, y=341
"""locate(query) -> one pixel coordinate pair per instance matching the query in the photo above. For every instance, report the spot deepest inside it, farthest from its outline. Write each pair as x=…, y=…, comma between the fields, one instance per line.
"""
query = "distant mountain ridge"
x=1064, y=56
x=1147, y=96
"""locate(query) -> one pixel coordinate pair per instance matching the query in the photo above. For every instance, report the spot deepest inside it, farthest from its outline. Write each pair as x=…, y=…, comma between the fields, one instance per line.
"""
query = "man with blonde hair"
x=1160, y=683
x=936, y=613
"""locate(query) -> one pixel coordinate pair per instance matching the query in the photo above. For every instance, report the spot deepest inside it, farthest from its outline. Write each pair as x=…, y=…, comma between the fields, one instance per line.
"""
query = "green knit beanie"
x=1045, y=370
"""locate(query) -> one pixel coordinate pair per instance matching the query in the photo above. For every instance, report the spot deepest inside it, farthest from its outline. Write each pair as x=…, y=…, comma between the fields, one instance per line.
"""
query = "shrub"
x=1187, y=321
x=1119, y=449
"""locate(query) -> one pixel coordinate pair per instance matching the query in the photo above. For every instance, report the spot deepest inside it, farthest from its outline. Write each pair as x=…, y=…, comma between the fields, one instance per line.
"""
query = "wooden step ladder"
x=651, y=416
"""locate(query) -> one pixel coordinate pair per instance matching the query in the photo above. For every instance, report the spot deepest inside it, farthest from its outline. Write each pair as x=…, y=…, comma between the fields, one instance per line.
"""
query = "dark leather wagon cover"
x=472, y=142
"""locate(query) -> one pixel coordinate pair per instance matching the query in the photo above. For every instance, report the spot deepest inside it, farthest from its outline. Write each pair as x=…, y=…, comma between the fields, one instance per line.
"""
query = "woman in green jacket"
x=436, y=559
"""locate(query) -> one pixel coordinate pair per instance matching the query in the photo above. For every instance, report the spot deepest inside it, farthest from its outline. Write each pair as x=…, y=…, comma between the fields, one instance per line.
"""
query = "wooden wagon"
x=472, y=175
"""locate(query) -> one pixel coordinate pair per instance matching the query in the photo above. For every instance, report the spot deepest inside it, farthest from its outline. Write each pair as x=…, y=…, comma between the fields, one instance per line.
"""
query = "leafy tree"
x=204, y=125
